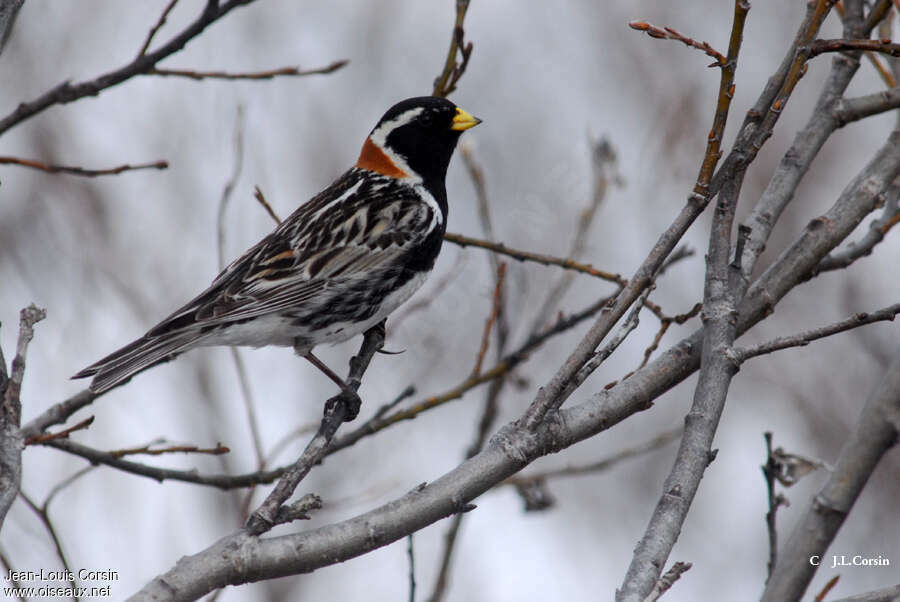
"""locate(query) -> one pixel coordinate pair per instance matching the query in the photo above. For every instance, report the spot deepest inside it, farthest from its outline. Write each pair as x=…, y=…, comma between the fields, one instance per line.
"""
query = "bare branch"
x=148, y=450
x=820, y=597
x=220, y=481
x=770, y=471
x=880, y=46
x=489, y=323
x=80, y=171
x=44, y=518
x=240, y=558
x=447, y=80
x=604, y=171
x=876, y=432
x=58, y=413
x=67, y=92
x=878, y=229
x=11, y=437
x=258, y=195
x=533, y=486
x=9, y=9
x=336, y=412
x=63, y=434
x=854, y=109
x=801, y=339
x=236, y=358
x=627, y=327
x=723, y=102
x=412, y=567
x=253, y=75
x=501, y=249
x=667, y=33
x=665, y=582
x=502, y=367
x=719, y=317
x=156, y=27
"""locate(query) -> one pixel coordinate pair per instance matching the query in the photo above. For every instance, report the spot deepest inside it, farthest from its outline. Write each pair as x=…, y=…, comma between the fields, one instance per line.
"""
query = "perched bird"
x=337, y=266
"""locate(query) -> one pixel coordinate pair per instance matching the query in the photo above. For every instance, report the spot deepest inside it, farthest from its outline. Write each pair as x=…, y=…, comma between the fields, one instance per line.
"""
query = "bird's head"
x=415, y=139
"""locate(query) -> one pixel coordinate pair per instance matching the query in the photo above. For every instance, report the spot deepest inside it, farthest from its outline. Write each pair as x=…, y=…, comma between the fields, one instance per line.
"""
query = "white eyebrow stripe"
x=379, y=139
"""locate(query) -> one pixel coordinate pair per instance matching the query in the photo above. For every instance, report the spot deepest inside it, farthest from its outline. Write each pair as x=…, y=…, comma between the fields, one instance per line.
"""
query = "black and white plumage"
x=339, y=265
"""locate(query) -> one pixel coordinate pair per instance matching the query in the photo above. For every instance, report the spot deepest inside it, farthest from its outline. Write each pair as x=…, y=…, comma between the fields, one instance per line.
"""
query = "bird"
x=337, y=266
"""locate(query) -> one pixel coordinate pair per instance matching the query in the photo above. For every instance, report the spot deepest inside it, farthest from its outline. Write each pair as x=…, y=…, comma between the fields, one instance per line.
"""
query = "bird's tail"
x=136, y=357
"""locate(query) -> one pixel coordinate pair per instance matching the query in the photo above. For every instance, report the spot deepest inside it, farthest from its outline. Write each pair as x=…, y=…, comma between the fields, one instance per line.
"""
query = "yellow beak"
x=463, y=121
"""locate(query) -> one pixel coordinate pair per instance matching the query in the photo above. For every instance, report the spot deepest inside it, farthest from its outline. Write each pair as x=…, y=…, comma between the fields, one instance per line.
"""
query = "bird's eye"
x=427, y=120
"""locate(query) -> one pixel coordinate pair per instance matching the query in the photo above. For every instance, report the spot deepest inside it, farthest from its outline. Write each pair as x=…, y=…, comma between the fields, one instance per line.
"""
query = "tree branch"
x=644, y=275
x=67, y=92
x=253, y=75
x=801, y=339
x=501, y=249
x=449, y=77
x=336, y=413
x=880, y=46
x=11, y=438
x=240, y=558
x=80, y=171
x=876, y=432
x=719, y=315
x=849, y=110
x=113, y=459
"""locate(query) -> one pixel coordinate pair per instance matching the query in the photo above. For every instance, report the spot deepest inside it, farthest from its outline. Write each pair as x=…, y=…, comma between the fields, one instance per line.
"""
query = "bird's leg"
x=352, y=397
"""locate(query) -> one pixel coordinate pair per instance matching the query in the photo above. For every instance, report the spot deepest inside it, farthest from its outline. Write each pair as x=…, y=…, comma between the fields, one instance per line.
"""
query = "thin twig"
x=878, y=229
x=880, y=46
x=60, y=486
x=67, y=92
x=476, y=174
x=156, y=27
x=667, y=33
x=820, y=597
x=723, y=101
x=600, y=356
x=220, y=481
x=58, y=413
x=876, y=14
x=770, y=470
x=258, y=195
x=412, y=567
x=887, y=314
x=80, y=171
x=147, y=450
x=532, y=487
x=722, y=292
x=44, y=518
x=664, y=325
x=489, y=323
x=11, y=436
x=337, y=411
x=874, y=435
x=447, y=80
x=603, y=172
x=643, y=277
x=668, y=580
x=239, y=367
x=566, y=264
x=63, y=434
x=502, y=367
x=253, y=75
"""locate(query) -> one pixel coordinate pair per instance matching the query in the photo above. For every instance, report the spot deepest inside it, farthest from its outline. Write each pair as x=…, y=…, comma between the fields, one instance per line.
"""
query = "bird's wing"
x=355, y=227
